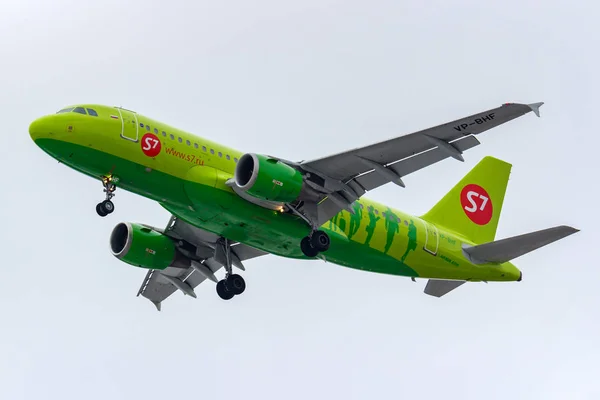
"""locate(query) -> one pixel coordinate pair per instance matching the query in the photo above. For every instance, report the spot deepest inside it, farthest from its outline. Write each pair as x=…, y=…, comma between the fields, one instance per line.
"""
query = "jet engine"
x=267, y=178
x=144, y=247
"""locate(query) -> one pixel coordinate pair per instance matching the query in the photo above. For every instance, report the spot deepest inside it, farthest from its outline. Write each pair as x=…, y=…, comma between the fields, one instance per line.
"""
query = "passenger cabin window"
x=196, y=145
x=203, y=148
x=172, y=136
x=180, y=140
x=92, y=112
x=188, y=143
x=65, y=110
x=235, y=159
x=212, y=151
x=156, y=131
x=80, y=110
x=164, y=133
x=227, y=157
x=220, y=154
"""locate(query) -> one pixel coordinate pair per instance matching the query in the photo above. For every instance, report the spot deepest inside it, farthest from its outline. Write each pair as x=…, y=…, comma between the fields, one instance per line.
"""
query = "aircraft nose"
x=39, y=128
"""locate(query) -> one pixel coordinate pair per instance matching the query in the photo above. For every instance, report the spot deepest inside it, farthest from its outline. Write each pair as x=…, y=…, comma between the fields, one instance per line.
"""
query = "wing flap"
x=372, y=180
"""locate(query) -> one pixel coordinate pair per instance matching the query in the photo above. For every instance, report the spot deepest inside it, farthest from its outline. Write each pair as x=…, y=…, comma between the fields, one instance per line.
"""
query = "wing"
x=204, y=249
x=343, y=178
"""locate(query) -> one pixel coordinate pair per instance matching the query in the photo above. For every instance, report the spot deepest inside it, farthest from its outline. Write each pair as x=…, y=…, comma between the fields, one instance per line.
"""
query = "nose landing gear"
x=107, y=206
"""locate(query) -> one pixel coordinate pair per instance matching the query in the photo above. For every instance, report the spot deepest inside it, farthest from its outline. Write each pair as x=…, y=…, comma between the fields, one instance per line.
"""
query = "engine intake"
x=144, y=247
x=267, y=178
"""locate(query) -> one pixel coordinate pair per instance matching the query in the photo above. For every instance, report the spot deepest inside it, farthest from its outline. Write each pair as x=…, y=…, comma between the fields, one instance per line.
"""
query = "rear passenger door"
x=129, y=124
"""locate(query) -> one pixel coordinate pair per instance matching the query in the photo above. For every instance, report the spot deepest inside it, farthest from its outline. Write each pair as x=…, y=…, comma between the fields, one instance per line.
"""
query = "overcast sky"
x=301, y=80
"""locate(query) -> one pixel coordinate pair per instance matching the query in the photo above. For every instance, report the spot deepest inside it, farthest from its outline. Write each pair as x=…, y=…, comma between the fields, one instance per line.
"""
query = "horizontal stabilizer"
x=504, y=250
x=438, y=288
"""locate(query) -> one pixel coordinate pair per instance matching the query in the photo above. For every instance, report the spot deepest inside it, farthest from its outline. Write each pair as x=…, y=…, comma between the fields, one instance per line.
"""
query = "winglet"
x=535, y=107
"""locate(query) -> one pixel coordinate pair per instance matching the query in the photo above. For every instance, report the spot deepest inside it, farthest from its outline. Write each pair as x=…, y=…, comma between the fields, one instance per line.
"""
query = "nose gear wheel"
x=107, y=206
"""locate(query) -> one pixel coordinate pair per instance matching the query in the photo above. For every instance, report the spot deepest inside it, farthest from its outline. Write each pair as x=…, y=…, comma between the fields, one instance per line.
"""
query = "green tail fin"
x=472, y=208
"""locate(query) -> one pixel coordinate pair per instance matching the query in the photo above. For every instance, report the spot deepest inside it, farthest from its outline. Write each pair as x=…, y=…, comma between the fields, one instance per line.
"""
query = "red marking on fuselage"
x=151, y=145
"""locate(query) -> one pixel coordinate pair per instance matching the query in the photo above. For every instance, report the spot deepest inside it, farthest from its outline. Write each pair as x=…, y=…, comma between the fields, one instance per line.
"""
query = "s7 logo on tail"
x=476, y=204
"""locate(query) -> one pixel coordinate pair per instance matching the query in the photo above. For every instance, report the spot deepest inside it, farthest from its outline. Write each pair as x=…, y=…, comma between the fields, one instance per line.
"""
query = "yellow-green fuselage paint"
x=186, y=174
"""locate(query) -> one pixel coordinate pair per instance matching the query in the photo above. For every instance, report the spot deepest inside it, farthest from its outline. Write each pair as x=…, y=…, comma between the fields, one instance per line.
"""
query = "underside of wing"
x=348, y=164
x=343, y=178
x=200, y=255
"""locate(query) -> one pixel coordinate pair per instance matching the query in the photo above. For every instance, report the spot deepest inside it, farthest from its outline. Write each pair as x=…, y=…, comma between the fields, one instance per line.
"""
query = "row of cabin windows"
x=80, y=110
x=93, y=113
x=385, y=214
x=180, y=140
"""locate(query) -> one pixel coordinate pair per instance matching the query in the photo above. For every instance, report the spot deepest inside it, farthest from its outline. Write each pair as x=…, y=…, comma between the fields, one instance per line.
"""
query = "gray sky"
x=301, y=80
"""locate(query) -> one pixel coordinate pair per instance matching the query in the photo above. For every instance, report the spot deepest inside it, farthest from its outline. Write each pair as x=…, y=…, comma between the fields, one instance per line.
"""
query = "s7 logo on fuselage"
x=151, y=145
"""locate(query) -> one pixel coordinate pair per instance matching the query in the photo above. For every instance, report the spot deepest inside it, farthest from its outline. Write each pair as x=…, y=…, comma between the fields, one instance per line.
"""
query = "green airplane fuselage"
x=186, y=174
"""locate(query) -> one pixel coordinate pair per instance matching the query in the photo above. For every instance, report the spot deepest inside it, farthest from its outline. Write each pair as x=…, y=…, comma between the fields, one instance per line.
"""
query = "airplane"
x=228, y=206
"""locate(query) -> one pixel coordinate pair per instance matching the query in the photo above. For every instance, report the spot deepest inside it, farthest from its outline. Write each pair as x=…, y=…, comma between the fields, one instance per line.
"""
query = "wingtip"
x=573, y=229
x=535, y=107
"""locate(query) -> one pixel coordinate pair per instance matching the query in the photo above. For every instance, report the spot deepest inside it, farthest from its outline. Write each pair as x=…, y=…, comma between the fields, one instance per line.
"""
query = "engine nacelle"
x=267, y=178
x=143, y=247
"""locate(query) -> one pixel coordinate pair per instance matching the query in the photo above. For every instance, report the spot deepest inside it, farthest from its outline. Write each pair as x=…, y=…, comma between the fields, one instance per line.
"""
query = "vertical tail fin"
x=472, y=208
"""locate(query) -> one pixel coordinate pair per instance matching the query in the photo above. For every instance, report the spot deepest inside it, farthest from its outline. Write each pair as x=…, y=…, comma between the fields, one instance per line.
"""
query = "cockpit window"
x=79, y=110
x=92, y=112
x=65, y=110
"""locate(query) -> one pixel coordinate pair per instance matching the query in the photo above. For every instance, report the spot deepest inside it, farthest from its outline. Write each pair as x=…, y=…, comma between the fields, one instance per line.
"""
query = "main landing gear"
x=315, y=243
x=107, y=207
x=233, y=284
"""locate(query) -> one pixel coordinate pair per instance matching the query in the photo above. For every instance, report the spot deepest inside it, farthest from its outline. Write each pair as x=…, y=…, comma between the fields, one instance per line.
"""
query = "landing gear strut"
x=233, y=284
x=107, y=207
x=315, y=243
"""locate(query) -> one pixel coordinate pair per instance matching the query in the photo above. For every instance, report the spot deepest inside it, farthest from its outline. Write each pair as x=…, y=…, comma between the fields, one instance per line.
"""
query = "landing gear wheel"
x=307, y=248
x=223, y=292
x=320, y=241
x=235, y=284
x=100, y=210
x=108, y=206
